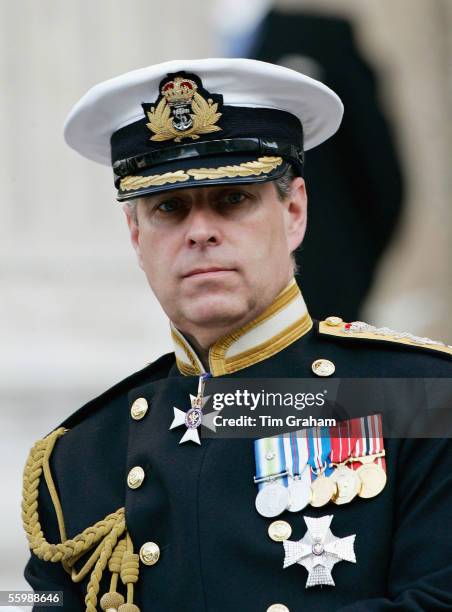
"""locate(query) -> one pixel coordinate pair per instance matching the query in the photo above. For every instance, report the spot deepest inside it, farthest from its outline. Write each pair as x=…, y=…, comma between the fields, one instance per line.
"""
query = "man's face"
x=215, y=257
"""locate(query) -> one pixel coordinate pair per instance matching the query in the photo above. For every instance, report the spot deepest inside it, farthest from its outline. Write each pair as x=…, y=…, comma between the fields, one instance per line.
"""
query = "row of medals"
x=341, y=487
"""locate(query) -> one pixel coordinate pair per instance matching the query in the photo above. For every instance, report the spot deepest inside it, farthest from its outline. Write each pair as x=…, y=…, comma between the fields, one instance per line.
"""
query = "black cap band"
x=260, y=146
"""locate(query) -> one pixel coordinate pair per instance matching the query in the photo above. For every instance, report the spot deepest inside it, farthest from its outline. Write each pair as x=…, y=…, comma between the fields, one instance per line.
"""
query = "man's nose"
x=203, y=229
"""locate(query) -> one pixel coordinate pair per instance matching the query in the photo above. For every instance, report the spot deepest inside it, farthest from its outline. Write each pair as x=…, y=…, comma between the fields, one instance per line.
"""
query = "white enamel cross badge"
x=319, y=550
x=193, y=418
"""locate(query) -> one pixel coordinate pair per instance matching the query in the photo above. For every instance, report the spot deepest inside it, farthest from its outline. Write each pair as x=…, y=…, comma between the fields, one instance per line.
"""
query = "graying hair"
x=283, y=183
x=131, y=206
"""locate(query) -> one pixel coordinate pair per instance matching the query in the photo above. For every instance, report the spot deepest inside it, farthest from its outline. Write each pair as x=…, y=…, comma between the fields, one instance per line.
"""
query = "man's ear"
x=297, y=208
x=134, y=230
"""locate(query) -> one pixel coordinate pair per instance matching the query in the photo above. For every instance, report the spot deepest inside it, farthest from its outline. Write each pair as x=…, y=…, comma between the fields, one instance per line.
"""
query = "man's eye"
x=169, y=206
x=235, y=197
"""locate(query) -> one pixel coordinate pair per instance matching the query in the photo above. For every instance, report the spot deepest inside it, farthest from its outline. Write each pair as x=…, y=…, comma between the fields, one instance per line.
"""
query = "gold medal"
x=373, y=479
x=323, y=489
x=348, y=484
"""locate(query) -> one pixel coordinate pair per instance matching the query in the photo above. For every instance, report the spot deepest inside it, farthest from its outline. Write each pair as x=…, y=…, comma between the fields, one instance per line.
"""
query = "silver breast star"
x=193, y=418
x=319, y=550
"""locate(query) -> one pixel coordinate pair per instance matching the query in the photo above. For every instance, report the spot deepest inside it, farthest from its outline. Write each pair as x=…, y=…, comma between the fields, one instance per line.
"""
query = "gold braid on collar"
x=109, y=538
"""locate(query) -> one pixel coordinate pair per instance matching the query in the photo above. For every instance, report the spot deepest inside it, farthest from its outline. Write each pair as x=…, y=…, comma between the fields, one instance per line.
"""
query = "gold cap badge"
x=182, y=111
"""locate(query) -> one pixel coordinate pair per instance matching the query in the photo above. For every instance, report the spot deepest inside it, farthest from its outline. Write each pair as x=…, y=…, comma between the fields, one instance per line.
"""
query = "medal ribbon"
x=369, y=438
x=342, y=442
x=270, y=459
x=296, y=452
x=202, y=383
x=375, y=426
x=319, y=450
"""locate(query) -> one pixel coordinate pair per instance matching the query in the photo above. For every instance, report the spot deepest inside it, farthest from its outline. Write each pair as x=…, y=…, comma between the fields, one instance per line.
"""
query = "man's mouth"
x=208, y=271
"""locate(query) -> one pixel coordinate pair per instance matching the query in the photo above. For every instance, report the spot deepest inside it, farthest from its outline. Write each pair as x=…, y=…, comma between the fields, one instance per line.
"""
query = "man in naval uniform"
x=208, y=158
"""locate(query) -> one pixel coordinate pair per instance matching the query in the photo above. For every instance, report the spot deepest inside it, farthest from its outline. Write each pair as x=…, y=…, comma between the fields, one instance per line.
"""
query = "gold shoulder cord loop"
x=109, y=538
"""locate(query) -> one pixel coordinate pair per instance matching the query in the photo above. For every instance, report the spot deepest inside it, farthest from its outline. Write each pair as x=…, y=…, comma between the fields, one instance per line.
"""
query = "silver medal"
x=272, y=499
x=299, y=494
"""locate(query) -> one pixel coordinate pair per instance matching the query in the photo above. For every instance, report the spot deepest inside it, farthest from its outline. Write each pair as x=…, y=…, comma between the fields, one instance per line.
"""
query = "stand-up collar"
x=283, y=322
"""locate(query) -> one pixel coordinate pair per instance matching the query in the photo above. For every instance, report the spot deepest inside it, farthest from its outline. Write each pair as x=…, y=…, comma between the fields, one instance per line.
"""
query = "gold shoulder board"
x=335, y=326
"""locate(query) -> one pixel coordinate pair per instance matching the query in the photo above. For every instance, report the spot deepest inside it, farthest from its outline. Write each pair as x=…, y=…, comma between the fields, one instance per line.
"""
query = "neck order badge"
x=193, y=418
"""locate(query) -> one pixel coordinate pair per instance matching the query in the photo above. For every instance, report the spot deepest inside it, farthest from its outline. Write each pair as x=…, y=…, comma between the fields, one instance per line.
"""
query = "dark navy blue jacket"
x=197, y=502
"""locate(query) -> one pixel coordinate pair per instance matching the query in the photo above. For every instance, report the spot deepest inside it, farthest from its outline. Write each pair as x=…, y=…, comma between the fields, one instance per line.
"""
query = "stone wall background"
x=76, y=314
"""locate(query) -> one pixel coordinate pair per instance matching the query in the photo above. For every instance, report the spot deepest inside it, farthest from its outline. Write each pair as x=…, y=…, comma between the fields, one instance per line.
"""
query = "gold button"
x=279, y=531
x=278, y=608
x=139, y=408
x=323, y=367
x=149, y=553
x=333, y=321
x=135, y=477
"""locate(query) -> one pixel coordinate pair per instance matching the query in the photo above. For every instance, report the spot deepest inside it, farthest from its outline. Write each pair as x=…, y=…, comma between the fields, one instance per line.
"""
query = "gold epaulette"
x=335, y=326
x=109, y=537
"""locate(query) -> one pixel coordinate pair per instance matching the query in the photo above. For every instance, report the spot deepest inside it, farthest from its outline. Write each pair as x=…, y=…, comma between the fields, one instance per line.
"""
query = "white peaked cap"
x=116, y=103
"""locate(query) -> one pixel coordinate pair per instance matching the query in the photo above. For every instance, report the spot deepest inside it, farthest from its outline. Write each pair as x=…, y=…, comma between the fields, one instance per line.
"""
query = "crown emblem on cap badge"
x=180, y=91
x=182, y=112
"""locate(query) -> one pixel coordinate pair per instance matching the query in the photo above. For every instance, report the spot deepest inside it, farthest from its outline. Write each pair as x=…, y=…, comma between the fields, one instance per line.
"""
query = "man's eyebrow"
x=193, y=191
x=220, y=190
x=158, y=197
x=165, y=195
